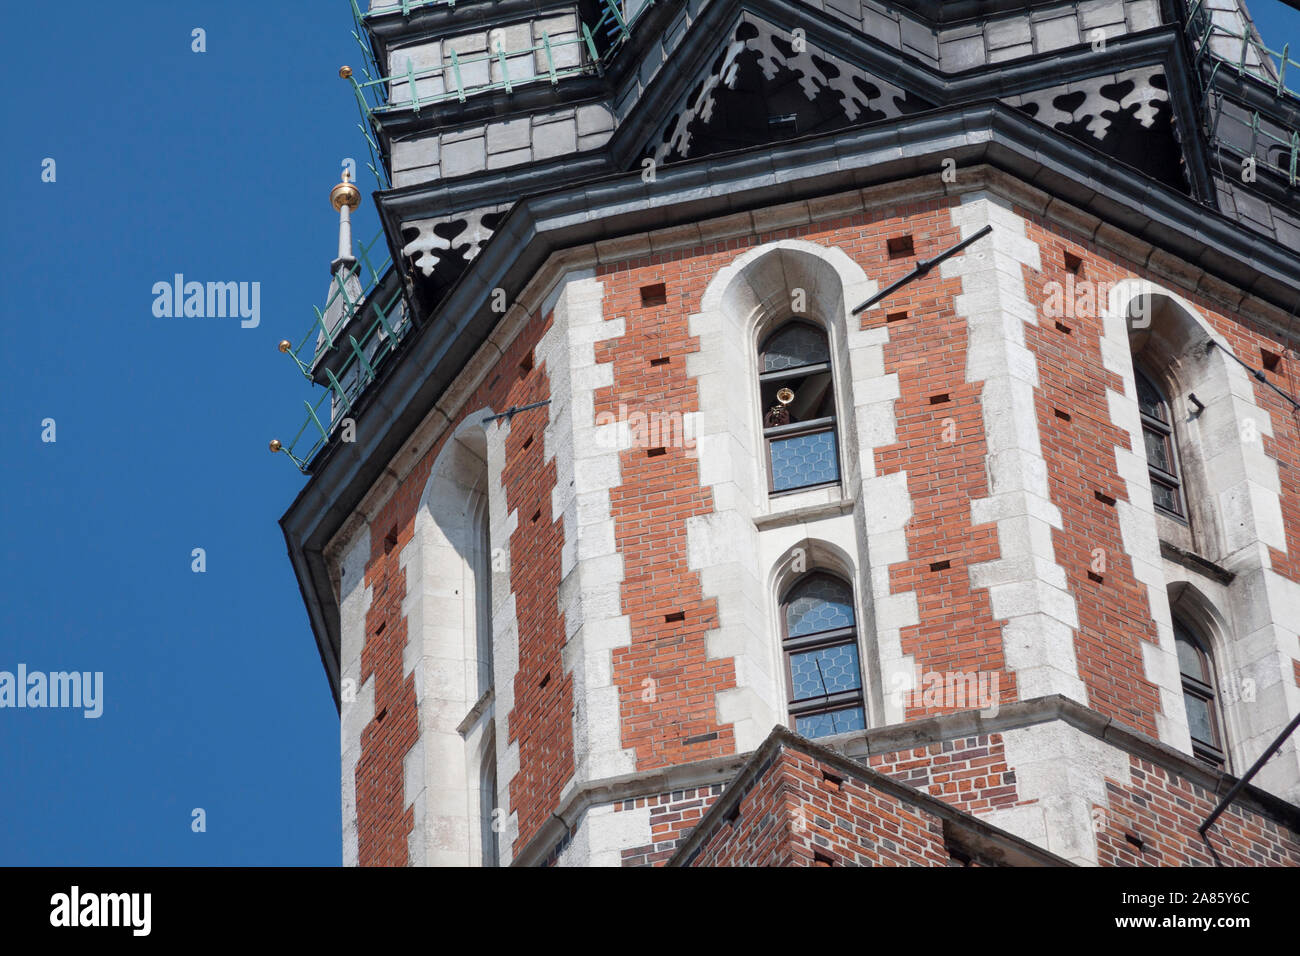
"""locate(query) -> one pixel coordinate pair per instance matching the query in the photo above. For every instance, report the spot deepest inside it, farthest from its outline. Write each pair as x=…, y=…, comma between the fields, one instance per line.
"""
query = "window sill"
x=812, y=506
x=1194, y=562
x=476, y=712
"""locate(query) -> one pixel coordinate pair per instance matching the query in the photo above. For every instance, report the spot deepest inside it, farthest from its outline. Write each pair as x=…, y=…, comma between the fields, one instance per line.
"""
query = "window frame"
x=1213, y=753
x=1172, y=480
x=814, y=426
x=819, y=640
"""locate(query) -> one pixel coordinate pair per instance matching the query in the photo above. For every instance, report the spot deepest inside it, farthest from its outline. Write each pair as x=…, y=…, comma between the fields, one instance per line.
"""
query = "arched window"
x=820, y=641
x=798, y=399
x=1200, y=695
x=1162, y=456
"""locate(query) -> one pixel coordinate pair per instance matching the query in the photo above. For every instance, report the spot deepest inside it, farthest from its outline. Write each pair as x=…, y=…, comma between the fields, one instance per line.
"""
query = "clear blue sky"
x=216, y=165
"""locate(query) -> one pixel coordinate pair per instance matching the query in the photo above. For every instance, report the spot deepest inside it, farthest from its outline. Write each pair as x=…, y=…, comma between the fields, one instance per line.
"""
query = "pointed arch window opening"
x=823, y=670
x=1200, y=696
x=797, y=394
x=1160, y=448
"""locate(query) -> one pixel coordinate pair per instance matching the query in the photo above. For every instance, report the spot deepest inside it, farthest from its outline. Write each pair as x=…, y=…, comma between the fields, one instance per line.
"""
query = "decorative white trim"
x=1028, y=589
x=357, y=700
x=587, y=468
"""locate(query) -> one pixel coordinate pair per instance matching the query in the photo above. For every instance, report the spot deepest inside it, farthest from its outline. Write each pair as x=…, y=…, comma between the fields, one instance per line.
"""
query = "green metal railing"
x=459, y=78
x=1204, y=33
x=364, y=352
x=586, y=52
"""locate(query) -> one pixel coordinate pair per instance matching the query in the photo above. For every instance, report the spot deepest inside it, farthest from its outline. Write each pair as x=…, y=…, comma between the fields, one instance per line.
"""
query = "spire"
x=344, y=198
x=345, y=285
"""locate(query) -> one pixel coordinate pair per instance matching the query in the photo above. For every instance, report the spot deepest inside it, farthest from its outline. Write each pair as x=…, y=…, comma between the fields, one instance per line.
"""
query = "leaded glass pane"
x=1149, y=400
x=804, y=460
x=832, y=722
x=1199, y=719
x=1164, y=497
x=794, y=345
x=821, y=604
x=1189, y=658
x=1157, y=445
x=827, y=670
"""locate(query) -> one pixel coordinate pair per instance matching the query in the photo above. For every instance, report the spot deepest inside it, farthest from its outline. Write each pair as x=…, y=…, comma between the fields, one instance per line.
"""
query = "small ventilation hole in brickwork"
x=1271, y=360
x=652, y=295
x=700, y=738
x=1063, y=416
x=822, y=859
x=1104, y=498
x=674, y=617
x=1062, y=327
x=380, y=629
x=536, y=514
x=896, y=316
x=526, y=365
x=939, y=399
x=390, y=540
x=1096, y=578
x=1073, y=263
x=656, y=452
x=545, y=680
x=1134, y=839
x=833, y=782
x=940, y=565
x=900, y=247
x=663, y=360
x=527, y=441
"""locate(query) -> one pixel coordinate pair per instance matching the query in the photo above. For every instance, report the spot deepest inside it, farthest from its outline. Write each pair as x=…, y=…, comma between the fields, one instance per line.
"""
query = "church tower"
x=814, y=432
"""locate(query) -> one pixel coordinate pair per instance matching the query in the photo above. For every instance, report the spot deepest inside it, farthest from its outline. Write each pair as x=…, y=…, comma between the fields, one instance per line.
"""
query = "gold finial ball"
x=345, y=72
x=275, y=445
x=345, y=194
x=285, y=345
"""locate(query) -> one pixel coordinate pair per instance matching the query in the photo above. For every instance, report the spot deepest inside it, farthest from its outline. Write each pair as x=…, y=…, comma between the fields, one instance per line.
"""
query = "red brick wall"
x=1114, y=615
x=798, y=808
x=668, y=684
x=797, y=815
x=672, y=816
x=540, y=721
x=971, y=773
x=941, y=446
x=1164, y=810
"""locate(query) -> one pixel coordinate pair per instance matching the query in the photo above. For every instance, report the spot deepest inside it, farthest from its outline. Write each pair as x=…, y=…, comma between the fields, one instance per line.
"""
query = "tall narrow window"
x=820, y=641
x=488, y=807
x=1158, y=436
x=798, y=396
x=1200, y=695
x=483, y=597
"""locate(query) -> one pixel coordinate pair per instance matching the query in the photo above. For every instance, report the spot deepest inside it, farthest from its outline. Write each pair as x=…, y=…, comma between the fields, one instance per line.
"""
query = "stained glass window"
x=822, y=603
x=795, y=345
x=798, y=413
x=804, y=460
x=823, y=669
